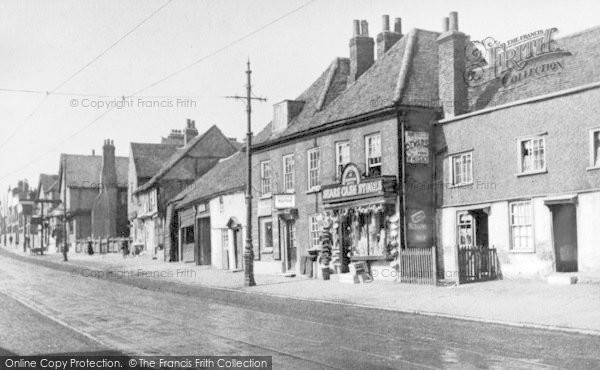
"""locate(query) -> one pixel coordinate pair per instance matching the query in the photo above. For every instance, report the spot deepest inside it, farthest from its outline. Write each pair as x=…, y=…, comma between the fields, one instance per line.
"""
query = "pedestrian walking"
x=90, y=246
x=10, y=240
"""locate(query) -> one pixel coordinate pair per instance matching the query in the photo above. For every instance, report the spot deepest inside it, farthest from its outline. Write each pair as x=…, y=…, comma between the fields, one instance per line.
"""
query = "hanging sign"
x=417, y=147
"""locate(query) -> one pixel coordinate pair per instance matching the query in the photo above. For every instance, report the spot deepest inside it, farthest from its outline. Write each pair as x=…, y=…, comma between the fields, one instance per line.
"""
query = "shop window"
x=373, y=155
x=188, y=235
x=313, y=222
x=314, y=168
x=521, y=226
x=532, y=155
x=462, y=169
x=367, y=232
x=342, y=157
x=595, y=148
x=266, y=235
x=288, y=173
x=265, y=178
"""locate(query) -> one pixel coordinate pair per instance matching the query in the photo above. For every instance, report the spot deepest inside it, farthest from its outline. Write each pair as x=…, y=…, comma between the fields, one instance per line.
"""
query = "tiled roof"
x=406, y=74
x=226, y=176
x=46, y=181
x=581, y=66
x=83, y=171
x=149, y=158
x=202, y=145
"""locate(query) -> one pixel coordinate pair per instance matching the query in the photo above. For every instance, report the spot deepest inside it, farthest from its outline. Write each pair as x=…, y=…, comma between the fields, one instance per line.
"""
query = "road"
x=95, y=315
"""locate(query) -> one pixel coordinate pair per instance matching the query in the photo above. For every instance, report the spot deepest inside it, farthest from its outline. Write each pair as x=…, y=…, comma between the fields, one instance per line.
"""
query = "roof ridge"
x=330, y=74
x=406, y=64
x=178, y=156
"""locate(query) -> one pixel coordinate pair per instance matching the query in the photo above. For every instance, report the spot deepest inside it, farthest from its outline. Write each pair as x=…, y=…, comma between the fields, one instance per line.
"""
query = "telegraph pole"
x=65, y=210
x=248, y=251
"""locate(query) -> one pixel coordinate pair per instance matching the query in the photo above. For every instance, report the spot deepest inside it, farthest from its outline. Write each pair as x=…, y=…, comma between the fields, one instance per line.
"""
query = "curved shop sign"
x=352, y=186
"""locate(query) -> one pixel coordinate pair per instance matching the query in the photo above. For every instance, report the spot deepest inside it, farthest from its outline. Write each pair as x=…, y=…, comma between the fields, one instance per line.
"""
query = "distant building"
x=81, y=179
x=211, y=216
x=46, y=201
x=198, y=155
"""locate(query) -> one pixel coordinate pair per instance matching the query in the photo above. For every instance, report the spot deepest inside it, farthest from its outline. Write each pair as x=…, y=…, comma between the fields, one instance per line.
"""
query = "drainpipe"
x=402, y=170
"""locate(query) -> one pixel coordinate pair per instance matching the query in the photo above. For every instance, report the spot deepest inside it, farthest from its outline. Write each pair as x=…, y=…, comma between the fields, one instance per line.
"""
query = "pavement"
x=523, y=303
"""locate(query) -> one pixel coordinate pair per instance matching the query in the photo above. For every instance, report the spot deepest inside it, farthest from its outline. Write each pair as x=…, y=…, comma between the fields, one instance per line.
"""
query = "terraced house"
x=519, y=159
x=336, y=150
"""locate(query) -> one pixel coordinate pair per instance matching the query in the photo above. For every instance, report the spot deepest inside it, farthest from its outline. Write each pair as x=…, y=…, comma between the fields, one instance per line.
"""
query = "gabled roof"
x=581, y=66
x=148, y=158
x=406, y=74
x=46, y=181
x=83, y=171
x=203, y=146
x=225, y=177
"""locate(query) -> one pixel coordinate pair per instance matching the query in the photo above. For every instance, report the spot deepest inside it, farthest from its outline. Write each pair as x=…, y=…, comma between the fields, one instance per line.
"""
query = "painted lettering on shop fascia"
x=343, y=191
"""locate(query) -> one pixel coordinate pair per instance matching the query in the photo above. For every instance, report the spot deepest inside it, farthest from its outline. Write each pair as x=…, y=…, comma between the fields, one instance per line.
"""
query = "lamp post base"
x=249, y=268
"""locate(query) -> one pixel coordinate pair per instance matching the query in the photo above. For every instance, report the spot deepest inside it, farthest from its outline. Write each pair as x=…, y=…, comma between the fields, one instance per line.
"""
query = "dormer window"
x=284, y=113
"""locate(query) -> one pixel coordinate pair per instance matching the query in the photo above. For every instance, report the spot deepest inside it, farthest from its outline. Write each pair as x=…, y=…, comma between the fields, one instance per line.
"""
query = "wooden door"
x=564, y=225
x=203, y=245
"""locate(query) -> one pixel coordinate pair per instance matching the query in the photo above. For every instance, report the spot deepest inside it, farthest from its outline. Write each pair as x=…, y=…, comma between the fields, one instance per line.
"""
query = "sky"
x=207, y=42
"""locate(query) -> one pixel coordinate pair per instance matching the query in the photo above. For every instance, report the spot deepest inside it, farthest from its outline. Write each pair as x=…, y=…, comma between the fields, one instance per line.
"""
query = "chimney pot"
x=445, y=24
x=453, y=24
x=398, y=25
x=364, y=28
x=93, y=152
x=386, y=22
x=355, y=27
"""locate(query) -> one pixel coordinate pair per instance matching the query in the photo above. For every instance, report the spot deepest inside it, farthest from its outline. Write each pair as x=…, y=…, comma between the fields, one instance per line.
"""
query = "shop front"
x=361, y=209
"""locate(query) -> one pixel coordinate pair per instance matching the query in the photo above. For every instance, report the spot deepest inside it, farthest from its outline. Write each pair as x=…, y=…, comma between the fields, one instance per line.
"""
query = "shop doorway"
x=564, y=232
x=290, y=242
x=203, y=247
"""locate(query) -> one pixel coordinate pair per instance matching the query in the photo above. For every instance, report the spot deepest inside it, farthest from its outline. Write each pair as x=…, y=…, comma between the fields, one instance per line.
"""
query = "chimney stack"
x=361, y=50
x=452, y=59
x=189, y=132
x=109, y=169
x=387, y=39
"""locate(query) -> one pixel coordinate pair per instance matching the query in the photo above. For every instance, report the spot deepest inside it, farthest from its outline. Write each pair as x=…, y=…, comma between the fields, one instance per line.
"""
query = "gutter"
x=332, y=125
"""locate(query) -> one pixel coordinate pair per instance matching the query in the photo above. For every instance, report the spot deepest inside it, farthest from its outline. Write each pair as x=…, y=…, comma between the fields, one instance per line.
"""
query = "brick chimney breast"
x=361, y=50
x=386, y=39
x=452, y=58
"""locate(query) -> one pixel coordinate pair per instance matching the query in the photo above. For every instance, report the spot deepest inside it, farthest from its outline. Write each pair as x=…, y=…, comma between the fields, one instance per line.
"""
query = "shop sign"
x=264, y=207
x=285, y=201
x=372, y=187
x=416, y=221
x=350, y=175
x=417, y=147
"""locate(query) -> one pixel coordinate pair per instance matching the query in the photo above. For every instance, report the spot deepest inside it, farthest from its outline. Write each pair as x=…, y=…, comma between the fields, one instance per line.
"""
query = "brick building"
x=80, y=180
x=335, y=150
